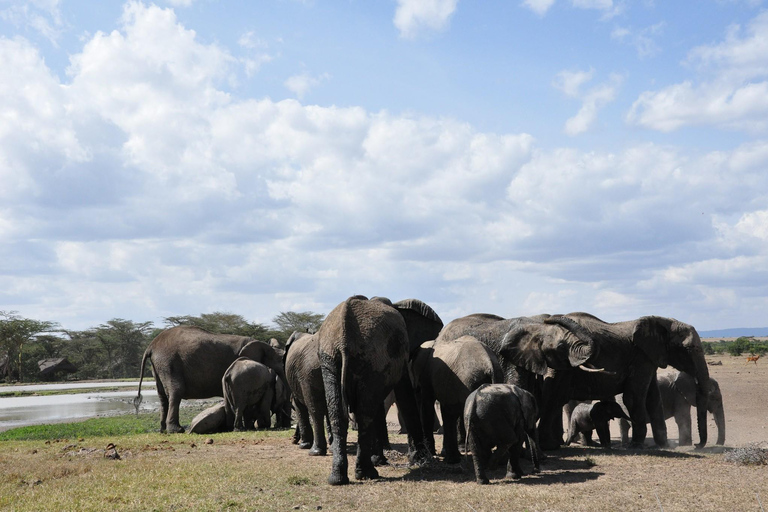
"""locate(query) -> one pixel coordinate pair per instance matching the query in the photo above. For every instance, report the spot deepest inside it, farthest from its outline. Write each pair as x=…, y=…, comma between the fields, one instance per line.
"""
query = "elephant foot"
x=175, y=429
x=338, y=479
x=482, y=481
x=453, y=458
x=514, y=476
x=379, y=460
x=369, y=473
x=305, y=445
x=637, y=445
x=318, y=452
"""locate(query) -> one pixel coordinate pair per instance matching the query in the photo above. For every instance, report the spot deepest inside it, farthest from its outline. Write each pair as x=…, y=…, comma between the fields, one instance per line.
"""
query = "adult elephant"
x=448, y=371
x=678, y=395
x=363, y=352
x=630, y=353
x=189, y=362
x=302, y=368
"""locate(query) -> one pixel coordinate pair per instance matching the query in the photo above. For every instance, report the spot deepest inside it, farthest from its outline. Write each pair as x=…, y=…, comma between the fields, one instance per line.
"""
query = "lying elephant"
x=678, y=394
x=587, y=417
x=504, y=416
x=251, y=392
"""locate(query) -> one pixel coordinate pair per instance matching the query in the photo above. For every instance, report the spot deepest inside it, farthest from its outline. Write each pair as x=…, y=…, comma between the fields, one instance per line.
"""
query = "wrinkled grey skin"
x=630, y=353
x=588, y=417
x=678, y=395
x=448, y=371
x=363, y=352
x=302, y=368
x=189, y=362
x=251, y=391
x=501, y=416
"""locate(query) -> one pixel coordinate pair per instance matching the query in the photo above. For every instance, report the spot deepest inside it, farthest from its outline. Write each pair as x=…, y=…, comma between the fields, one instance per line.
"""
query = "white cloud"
x=733, y=95
x=180, y=3
x=301, y=84
x=643, y=40
x=43, y=16
x=414, y=16
x=570, y=82
x=593, y=4
x=540, y=7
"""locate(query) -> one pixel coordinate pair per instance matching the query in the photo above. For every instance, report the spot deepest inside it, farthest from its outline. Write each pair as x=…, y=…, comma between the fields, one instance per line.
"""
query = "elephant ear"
x=522, y=345
x=685, y=385
x=651, y=335
x=418, y=307
x=580, y=345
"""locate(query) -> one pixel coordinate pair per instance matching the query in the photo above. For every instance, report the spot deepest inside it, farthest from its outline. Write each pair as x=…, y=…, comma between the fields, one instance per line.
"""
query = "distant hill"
x=735, y=332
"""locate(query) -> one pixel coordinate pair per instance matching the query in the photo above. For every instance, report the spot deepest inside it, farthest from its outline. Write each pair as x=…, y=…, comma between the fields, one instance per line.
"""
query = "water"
x=36, y=410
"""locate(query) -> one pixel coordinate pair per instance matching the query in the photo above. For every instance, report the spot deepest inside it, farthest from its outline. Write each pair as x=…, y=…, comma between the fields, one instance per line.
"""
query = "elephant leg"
x=366, y=438
x=427, y=408
x=163, y=405
x=380, y=437
x=337, y=414
x=317, y=416
x=683, y=420
x=451, y=414
x=603, y=433
x=624, y=428
x=656, y=414
x=303, y=426
x=481, y=454
x=513, y=465
x=551, y=423
x=406, y=402
x=172, y=420
x=637, y=413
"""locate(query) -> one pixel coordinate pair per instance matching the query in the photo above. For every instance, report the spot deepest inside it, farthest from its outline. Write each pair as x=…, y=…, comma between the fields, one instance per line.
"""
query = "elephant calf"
x=251, y=392
x=588, y=417
x=500, y=415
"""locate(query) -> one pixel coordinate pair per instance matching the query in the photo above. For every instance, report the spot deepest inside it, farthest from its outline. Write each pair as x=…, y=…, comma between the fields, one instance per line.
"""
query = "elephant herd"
x=501, y=382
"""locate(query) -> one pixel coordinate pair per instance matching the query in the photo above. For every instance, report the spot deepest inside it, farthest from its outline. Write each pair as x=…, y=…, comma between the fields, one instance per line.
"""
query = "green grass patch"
x=95, y=427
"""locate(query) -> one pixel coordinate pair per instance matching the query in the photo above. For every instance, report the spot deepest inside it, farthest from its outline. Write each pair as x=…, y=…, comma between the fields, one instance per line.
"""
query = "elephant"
x=628, y=353
x=678, y=394
x=251, y=392
x=587, y=417
x=302, y=368
x=363, y=352
x=189, y=362
x=448, y=371
x=500, y=415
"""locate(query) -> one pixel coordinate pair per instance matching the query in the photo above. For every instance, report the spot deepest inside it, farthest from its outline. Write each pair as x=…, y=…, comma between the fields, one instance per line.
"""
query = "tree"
x=221, y=323
x=124, y=342
x=15, y=332
x=307, y=321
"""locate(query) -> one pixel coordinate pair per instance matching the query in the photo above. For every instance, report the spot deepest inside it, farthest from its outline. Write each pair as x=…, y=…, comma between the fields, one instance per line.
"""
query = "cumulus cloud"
x=732, y=94
x=136, y=187
x=413, y=17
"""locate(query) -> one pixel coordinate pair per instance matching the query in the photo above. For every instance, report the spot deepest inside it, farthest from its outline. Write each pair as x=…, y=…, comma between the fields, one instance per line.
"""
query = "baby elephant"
x=588, y=417
x=500, y=415
x=251, y=391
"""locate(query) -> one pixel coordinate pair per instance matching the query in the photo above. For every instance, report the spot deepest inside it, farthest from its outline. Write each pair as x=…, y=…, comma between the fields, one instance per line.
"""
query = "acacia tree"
x=306, y=321
x=124, y=342
x=221, y=323
x=15, y=332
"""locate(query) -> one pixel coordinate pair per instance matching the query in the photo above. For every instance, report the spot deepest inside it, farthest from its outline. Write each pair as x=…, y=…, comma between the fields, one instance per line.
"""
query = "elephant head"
x=553, y=342
x=666, y=341
x=605, y=411
x=686, y=386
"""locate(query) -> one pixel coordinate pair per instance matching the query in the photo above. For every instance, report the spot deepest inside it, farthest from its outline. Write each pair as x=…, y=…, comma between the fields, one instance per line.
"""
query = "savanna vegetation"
x=113, y=349
x=742, y=345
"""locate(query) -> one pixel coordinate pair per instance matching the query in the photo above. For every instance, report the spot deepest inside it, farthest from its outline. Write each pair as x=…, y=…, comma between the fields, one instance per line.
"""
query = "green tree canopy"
x=306, y=321
x=222, y=323
x=15, y=332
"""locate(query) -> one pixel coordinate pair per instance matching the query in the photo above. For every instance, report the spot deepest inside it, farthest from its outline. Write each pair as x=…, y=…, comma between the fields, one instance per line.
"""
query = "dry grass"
x=264, y=471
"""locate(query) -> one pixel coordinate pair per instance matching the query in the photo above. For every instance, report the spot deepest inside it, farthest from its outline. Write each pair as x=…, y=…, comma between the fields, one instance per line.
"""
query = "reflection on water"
x=35, y=410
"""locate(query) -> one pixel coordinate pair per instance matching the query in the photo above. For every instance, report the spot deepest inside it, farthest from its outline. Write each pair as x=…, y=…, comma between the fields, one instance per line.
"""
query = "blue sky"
x=523, y=157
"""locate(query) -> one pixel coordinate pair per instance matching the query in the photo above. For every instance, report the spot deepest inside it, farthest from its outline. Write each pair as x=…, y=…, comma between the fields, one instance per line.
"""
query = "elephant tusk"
x=596, y=370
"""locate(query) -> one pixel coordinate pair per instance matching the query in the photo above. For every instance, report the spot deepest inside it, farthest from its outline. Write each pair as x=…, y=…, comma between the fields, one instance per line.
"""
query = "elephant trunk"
x=702, y=399
x=719, y=414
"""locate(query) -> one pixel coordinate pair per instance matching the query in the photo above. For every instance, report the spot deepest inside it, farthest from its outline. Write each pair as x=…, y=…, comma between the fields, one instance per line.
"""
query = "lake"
x=36, y=410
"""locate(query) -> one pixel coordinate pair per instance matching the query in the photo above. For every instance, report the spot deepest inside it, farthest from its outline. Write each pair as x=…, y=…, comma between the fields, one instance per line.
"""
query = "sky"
x=514, y=157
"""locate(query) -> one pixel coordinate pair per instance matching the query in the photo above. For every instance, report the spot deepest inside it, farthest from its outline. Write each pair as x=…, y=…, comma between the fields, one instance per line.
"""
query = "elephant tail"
x=137, y=401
